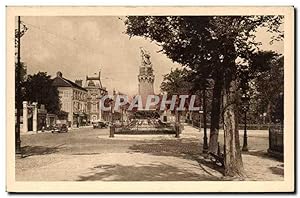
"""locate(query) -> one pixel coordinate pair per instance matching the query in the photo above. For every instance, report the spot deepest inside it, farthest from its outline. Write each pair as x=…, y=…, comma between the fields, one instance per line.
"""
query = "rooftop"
x=60, y=81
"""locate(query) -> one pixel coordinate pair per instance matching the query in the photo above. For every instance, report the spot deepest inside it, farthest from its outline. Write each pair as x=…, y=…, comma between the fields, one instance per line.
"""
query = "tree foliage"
x=38, y=88
x=210, y=47
x=269, y=85
x=175, y=83
x=203, y=43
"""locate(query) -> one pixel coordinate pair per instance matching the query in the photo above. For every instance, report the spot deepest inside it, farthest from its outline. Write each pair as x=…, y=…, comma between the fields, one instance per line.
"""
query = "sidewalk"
x=92, y=156
x=258, y=164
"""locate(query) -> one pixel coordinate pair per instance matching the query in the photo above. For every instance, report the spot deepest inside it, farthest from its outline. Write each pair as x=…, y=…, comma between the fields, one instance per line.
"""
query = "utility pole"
x=18, y=90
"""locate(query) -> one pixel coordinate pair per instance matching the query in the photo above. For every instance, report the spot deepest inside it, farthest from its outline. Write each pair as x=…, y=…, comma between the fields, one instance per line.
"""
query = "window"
x=165, y=119
x=94, y=107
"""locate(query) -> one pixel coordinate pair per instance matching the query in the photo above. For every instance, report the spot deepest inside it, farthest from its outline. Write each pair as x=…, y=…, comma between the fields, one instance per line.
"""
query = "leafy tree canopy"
x=38, y=88
x=176, y=83
x=205, y=44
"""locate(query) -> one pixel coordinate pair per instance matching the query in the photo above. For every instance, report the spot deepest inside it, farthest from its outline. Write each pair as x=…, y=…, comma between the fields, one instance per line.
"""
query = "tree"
x=261, y=64
x=189, y=82
x=269, y=85
x=210, y=46
x=188, y=41
x=175, y=83
x=38, y=88
x=235, y=36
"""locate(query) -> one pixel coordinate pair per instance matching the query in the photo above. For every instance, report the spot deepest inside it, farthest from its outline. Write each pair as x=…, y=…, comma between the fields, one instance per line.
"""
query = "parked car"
x=60, y=127
x=99, y=124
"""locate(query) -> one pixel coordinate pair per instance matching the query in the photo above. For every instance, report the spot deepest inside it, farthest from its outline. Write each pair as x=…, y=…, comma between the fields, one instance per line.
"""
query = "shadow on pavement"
x=277, y=170
x=262, y=154
x=152, y=172
x=183, y=148
x=203, y=160
x=176, y=148
x=38, y=150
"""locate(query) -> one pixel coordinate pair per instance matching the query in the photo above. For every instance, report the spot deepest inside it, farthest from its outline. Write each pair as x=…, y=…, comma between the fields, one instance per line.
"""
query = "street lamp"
x=245, y=108
x=245, y=100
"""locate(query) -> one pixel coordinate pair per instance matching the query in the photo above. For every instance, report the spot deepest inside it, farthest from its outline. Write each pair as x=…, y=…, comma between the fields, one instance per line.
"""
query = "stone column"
x=25, y=117
x=34, y=119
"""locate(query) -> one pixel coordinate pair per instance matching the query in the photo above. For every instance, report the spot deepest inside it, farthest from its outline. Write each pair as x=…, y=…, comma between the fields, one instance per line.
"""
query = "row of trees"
x=264, y=89
x=214, y=49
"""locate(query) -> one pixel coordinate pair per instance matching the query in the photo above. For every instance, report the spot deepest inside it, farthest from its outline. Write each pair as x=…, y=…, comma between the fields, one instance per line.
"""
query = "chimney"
x=59, y=74
x=79, y=82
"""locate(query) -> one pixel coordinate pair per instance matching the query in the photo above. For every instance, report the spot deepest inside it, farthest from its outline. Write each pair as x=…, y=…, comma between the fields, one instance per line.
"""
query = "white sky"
x=80, y=46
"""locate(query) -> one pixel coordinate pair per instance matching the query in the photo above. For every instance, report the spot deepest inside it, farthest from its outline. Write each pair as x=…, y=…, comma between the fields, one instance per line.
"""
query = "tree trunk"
x=215, y=118
x=232, y=152
x=205, y=146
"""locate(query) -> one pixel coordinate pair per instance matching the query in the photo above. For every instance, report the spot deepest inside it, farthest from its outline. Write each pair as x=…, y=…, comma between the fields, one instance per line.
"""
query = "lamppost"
x=245, y=101
x=245, y=108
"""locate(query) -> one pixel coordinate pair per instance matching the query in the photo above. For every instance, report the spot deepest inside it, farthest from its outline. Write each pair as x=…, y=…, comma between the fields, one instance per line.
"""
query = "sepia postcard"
x=150, y=99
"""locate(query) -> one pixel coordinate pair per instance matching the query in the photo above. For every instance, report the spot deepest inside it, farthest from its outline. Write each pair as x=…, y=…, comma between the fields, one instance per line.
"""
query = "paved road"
x=75, y=142
x=89, y=154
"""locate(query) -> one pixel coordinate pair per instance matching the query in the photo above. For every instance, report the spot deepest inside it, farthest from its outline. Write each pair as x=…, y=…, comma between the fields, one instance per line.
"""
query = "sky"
x=79, y=46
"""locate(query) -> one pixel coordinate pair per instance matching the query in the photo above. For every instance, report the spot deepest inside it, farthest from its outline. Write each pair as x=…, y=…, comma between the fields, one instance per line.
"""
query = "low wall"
x=145, y=130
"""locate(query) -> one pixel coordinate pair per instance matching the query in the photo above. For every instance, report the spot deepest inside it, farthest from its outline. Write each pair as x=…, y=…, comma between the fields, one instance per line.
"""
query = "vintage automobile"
x=99, y=124
x=61, y=126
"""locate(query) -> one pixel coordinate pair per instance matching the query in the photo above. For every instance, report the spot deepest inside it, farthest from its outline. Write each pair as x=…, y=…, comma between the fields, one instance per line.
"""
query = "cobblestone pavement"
x=89, y=155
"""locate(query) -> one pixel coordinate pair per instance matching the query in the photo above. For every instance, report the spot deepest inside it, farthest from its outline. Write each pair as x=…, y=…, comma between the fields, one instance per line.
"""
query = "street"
x=89, y=154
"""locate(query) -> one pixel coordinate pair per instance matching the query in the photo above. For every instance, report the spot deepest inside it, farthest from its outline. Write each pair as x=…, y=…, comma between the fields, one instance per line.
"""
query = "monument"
x=146, y=76
x=145, y=121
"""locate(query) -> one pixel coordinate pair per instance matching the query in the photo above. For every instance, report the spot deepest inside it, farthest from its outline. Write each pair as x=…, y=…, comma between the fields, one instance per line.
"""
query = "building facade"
x=73, y=98
x=95, y=92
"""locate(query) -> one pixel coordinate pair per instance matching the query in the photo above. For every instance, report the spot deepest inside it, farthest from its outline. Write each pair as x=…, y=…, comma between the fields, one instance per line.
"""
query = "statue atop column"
x=146, y=76
x=145, y=57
